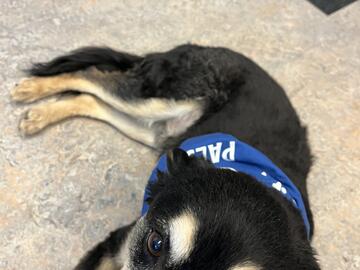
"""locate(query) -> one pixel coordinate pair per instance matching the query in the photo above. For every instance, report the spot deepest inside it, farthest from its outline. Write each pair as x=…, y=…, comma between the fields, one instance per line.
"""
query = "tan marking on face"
x=246, y=266
x=183, y=229
x=107, y=264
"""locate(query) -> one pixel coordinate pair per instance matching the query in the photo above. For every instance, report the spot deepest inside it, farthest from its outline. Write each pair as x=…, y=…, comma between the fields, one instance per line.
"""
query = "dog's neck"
x=227, y=152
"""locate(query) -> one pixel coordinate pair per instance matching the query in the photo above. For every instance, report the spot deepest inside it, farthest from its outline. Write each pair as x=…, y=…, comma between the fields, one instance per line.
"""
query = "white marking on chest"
x=183, y=229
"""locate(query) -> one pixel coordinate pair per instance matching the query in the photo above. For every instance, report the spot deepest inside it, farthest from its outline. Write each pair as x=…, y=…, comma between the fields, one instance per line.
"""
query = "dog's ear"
x=176, y=159
x=110, y=253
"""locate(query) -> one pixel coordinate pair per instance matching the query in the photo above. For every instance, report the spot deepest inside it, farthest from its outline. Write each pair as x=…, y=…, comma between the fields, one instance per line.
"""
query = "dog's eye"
x=155, y=244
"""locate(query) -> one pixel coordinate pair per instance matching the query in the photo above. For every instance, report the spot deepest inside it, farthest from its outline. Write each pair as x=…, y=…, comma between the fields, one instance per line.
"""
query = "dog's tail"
x=103, y=58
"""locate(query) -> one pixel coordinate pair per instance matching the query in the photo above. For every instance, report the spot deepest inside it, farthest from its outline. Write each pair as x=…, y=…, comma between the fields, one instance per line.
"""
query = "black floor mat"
x=330, y=6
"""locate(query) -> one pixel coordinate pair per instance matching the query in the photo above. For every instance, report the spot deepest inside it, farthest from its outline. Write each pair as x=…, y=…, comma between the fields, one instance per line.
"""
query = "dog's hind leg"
x=113, y=88
x=40, y=116
x=116, y=89
x=36, y=88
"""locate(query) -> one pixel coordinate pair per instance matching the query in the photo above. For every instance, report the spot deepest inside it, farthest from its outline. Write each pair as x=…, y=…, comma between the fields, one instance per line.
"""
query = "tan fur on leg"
x=36, y=88
x=45, y=114
x=152, y=109
x=137, y=118
x=48, y=113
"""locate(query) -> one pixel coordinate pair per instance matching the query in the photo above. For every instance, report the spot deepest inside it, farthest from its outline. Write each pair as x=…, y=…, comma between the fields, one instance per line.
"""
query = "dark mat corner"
x=330, y=6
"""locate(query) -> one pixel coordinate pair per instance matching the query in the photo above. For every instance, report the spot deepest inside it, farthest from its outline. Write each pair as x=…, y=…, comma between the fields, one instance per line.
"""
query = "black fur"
x=105, y=59
x=240, y=219
x=260, y=114
x=108, y=248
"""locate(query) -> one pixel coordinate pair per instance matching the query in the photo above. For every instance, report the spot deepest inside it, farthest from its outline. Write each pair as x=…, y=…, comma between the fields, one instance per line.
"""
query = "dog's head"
x=201, y=217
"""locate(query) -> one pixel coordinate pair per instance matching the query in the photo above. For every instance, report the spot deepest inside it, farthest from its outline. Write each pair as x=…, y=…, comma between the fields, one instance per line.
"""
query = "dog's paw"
x=34, y=121
x=27, y=90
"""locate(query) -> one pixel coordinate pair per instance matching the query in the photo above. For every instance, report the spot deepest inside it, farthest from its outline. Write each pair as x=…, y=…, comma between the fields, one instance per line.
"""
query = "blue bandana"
x=227, y=152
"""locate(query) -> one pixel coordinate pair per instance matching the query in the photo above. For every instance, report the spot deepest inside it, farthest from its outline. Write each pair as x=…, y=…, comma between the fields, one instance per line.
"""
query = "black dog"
x=199, y=216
